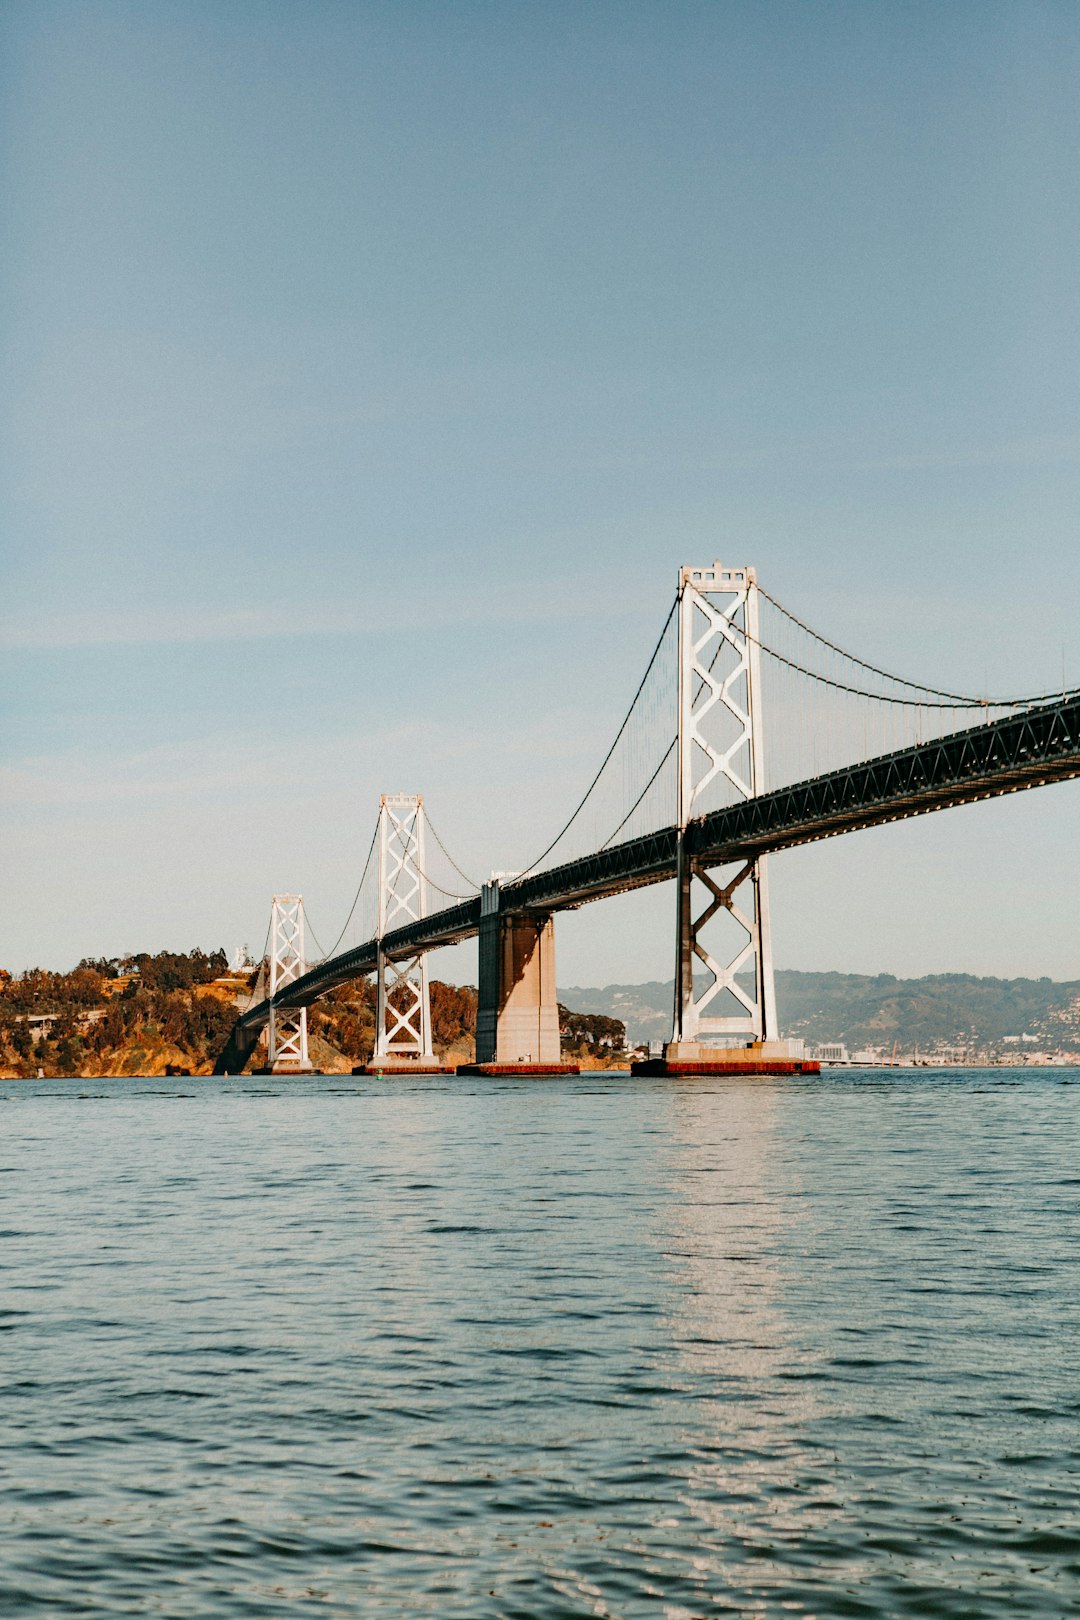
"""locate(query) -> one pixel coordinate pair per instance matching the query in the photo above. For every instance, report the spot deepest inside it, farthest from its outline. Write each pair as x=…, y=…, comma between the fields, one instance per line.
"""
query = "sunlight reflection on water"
x=503, y=1348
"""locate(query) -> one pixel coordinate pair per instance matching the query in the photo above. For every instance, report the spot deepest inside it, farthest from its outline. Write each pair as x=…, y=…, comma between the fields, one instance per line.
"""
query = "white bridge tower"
x=723, y=917
x=403, y=1007
x=287, y=1050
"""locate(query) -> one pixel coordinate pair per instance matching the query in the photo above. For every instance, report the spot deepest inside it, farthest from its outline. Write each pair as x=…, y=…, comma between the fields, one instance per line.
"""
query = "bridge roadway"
x=1028, y=749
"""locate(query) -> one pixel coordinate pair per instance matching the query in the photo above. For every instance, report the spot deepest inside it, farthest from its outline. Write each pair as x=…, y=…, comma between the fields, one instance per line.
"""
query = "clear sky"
x=371, y=368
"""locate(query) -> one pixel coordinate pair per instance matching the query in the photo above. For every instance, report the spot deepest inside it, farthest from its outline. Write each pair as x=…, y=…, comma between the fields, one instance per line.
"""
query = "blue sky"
x=370, y=370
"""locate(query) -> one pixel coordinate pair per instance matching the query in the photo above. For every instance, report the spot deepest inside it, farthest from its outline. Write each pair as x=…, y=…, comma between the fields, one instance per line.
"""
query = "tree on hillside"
x=171, y=970
x=592, y=1033
x=453, y=1013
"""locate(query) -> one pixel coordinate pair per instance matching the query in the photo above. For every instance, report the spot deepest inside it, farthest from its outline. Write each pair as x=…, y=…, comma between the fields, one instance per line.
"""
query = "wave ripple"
x=585, y=1347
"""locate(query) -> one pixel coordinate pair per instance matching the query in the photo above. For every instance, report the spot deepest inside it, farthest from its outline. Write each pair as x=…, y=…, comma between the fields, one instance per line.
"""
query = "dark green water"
x=591, y=1347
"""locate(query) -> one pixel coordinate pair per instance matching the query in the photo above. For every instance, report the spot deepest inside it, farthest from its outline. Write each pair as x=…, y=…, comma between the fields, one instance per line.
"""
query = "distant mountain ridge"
x=863, y=1010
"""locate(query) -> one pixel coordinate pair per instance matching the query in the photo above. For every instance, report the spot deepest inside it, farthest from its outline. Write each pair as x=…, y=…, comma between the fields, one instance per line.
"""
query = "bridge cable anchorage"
x=604, y=762
x=954, y=699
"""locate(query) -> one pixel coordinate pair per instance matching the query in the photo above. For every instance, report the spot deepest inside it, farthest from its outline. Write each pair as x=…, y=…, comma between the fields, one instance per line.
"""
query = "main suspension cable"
x=604, y=762
x=315, y=937
x=641, y=795
x=956, y=700
x=449, y=893
x=464, y=875
x=902, y=702
x=266, y=944
x=356, y=896
x=878, y=697
x=408, y=858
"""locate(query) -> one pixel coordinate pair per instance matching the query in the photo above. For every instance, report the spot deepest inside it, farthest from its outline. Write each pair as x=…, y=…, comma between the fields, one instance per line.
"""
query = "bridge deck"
x=1025, y=750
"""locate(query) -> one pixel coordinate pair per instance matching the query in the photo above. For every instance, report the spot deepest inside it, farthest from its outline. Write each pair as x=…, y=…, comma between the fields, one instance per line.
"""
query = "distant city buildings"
x=1012, y=1051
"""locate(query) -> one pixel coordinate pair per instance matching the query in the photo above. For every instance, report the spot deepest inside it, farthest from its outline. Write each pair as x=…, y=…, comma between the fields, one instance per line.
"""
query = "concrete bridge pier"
x=517, y=1021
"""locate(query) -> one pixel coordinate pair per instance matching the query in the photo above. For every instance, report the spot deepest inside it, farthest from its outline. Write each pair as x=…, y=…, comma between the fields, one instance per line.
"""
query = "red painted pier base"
x=726, y=1066
x=286, y=1074
x=523, y=1069
x=397, y=1071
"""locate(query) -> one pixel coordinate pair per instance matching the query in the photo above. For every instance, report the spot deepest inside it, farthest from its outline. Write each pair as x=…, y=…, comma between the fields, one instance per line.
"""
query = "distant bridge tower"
x=720, y=736
x=403, y=1007
x=287, y=1038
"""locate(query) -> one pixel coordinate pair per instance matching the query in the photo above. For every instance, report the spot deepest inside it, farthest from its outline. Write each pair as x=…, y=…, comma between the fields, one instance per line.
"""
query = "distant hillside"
x=172, y=1012
x=645, y=1009
x=876, y=1010
x=150, y=1014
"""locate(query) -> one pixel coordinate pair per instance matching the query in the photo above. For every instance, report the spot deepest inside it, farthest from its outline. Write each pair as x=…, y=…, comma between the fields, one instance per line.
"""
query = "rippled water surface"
x=590, y=1347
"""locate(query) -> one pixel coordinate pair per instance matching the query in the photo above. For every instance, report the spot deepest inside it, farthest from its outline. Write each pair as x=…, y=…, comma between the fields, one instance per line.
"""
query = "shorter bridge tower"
x=403, y=1006
x=287, y=1050
x=720, y=742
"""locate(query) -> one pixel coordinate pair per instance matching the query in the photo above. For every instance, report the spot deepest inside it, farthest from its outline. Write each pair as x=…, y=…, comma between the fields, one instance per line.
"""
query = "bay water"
x=576, y=1347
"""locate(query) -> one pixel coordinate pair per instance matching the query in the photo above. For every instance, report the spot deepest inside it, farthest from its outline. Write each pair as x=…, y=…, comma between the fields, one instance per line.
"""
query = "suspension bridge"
x=750, y=732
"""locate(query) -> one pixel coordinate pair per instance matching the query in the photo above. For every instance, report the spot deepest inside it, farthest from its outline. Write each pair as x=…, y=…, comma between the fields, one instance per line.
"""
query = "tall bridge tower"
x=723, y=916
x=403, y=1006
x=287, y=1049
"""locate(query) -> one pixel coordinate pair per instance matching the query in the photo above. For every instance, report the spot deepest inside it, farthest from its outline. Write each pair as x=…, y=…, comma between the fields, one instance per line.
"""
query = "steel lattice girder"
x=1026, y=750
x=1022, y=751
